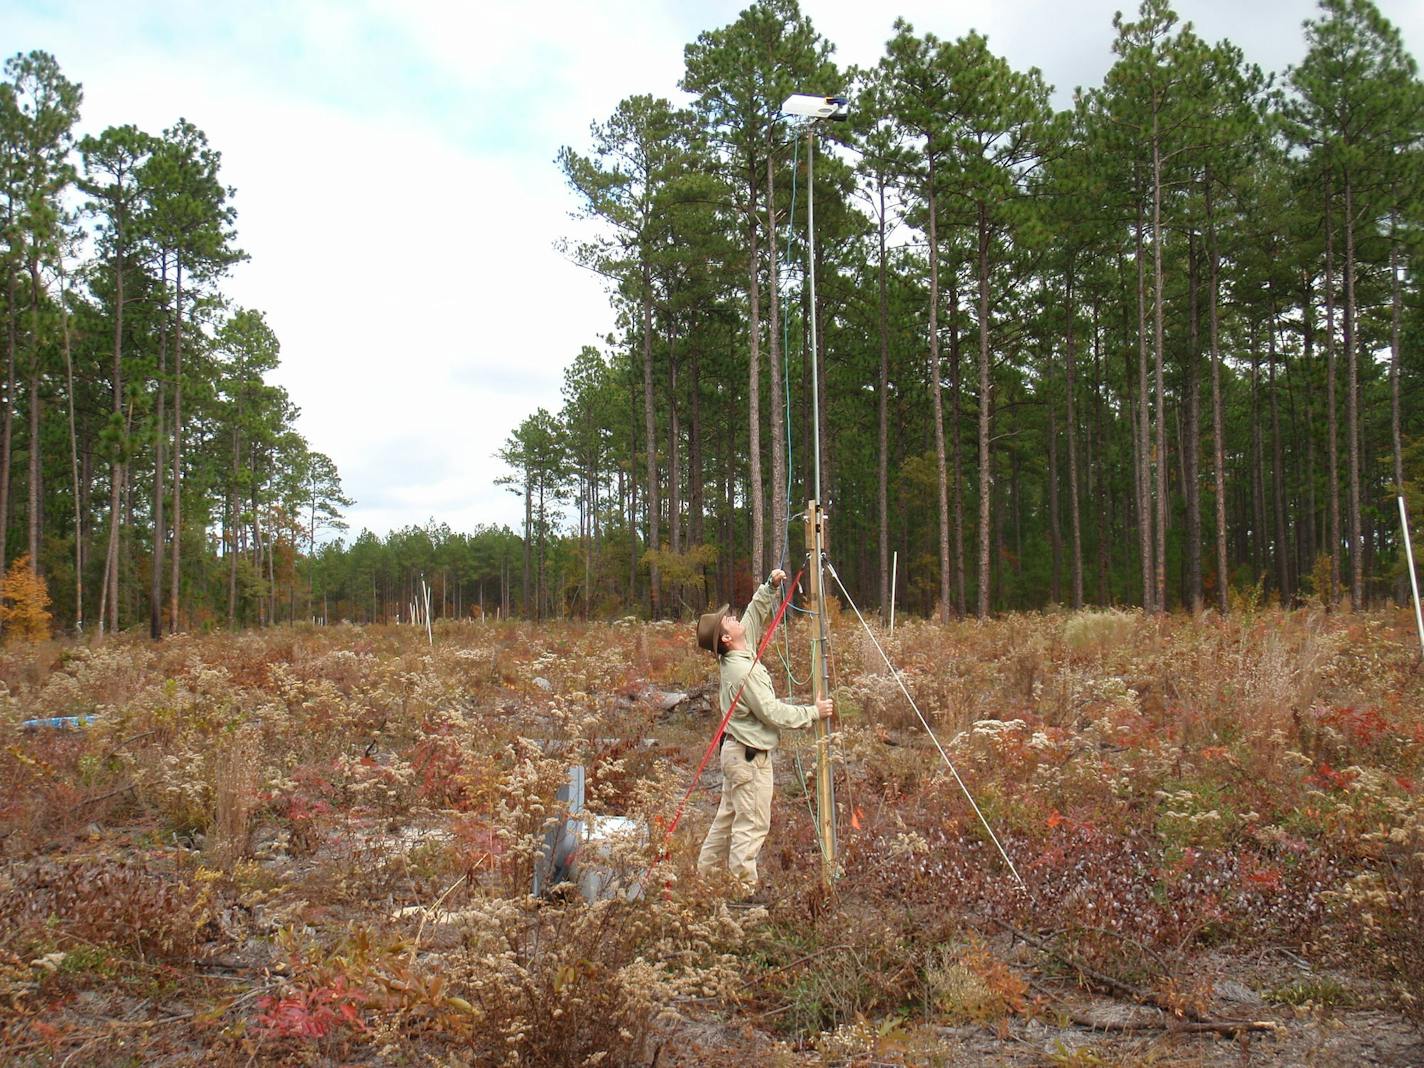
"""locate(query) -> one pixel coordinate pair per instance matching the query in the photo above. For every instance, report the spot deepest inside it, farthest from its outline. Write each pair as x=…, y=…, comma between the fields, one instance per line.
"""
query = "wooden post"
x=816, y=544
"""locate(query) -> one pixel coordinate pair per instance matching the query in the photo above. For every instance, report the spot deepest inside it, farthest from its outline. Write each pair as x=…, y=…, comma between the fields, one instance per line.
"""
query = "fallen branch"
x=799, y=960
x=1101, y=978
x=103, y=797
x=1196, y=1022
x=134, y=738
x=1173, y=1025
x=1168, y=1022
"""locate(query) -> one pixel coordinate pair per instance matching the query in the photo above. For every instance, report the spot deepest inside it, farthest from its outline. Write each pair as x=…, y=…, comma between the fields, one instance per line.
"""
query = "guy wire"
x=928, y=730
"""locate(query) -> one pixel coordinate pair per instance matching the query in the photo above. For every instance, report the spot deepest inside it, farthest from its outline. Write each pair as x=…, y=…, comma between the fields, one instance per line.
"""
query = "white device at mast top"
x=805, y=106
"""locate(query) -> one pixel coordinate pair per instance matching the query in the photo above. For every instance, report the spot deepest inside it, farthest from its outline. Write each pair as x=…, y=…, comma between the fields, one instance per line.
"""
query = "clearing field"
x=316, y=846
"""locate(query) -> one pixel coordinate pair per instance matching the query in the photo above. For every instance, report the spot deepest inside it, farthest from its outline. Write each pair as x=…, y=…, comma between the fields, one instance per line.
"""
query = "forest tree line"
x=1155, y=347
x=150, y=472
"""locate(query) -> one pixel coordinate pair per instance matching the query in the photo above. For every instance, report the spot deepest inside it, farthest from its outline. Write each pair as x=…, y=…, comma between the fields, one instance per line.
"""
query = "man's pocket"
x=736, y=768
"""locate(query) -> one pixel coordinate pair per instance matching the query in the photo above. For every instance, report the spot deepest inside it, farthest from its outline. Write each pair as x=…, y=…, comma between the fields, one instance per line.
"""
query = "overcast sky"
x=397, y=194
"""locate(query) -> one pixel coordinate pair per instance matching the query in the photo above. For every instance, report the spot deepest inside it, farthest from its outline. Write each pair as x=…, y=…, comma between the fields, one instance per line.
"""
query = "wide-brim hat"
x=709, y=628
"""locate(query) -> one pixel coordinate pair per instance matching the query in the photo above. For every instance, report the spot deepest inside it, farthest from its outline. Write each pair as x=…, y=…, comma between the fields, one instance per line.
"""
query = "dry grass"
x=294, y=804
x=236, y=778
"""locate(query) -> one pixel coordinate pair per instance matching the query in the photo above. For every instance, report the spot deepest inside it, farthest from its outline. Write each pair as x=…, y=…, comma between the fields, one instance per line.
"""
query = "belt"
x=752, y=754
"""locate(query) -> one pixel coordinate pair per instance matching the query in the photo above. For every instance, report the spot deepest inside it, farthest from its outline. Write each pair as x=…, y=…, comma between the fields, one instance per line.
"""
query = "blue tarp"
x=61, y=723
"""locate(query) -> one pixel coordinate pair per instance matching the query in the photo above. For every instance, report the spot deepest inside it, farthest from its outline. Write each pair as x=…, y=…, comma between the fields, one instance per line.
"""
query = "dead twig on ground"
x=1167, y=1022
x=799, y=960
x=134, y=738
x=1195, y=1021
x=419, y=931
x=103, y=797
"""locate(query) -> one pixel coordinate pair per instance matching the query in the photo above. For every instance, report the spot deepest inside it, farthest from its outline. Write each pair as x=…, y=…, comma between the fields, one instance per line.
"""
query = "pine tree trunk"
x=1278, y=474
x=1100, y=497
x=1258, y=462
x=79, y=509
x=272, y=576
x=754, y=493
x=1144, y=448
x=528, y=543
x=779, y=503
x=674, y=471
x=956, y=411
x=540, y=590
x=1332, y=418
x=1301, y=499
x=1159, y=598
x=175, y=579
x=1055, y=534
x=33, y=515
x=1312, y=529
x=1218, y=420
x=1070, y=371
x=941, y=480
x=233, y=528
x=727, y=583
x=883, y=390
x=155, y=598
x=1352, y=407
x=1191, y=447
x=116, y=467
x=259, y=546
x=650, y=435
x=696, y=491
x=986, y=481
x=1395, y=303
x=7, y=430
x=632, y=484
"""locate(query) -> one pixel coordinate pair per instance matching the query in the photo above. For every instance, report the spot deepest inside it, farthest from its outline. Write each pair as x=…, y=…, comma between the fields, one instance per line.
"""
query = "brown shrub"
x=111, y=902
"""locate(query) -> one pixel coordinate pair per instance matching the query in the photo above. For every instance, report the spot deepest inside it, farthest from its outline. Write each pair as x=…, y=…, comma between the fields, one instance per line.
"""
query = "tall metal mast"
x=818, y=108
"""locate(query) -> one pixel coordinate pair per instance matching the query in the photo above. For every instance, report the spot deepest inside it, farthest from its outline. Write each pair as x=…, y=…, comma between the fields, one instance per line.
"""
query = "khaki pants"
x=743, y=818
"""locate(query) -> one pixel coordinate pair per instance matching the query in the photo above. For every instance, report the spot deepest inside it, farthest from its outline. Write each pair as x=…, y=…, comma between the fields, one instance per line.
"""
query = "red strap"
x=716, y=738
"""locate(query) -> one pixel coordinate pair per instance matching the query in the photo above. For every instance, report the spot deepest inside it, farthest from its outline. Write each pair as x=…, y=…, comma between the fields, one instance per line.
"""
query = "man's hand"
x=825, y=708
x=776, y=578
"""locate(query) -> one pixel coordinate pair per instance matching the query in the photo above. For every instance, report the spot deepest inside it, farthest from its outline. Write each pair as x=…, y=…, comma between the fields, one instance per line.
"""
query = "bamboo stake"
x=820, y=685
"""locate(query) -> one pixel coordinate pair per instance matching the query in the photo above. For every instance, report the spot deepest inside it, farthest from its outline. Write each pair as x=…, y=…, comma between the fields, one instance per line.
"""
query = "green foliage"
x=1319, y=991
x=1249, y=240
x=684, y=568
x=122, y=354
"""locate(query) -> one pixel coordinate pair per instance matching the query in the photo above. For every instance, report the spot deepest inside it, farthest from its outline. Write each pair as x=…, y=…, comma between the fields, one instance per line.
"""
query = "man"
x=744, y=816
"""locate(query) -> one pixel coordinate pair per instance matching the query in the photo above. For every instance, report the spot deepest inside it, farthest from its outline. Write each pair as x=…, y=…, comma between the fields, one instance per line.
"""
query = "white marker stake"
x=894, y=567
x=1413, y=580
x=429, y=634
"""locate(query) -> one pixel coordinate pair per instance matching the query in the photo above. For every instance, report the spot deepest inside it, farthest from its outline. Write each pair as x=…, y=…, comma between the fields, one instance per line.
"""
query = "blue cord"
x=786, y=344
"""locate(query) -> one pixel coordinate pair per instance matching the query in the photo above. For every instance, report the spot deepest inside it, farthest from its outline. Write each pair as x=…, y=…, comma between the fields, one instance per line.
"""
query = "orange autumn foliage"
x=24, y=603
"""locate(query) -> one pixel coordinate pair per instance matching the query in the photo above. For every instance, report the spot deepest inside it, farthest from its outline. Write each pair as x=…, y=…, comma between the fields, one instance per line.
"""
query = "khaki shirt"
x=760, y=716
